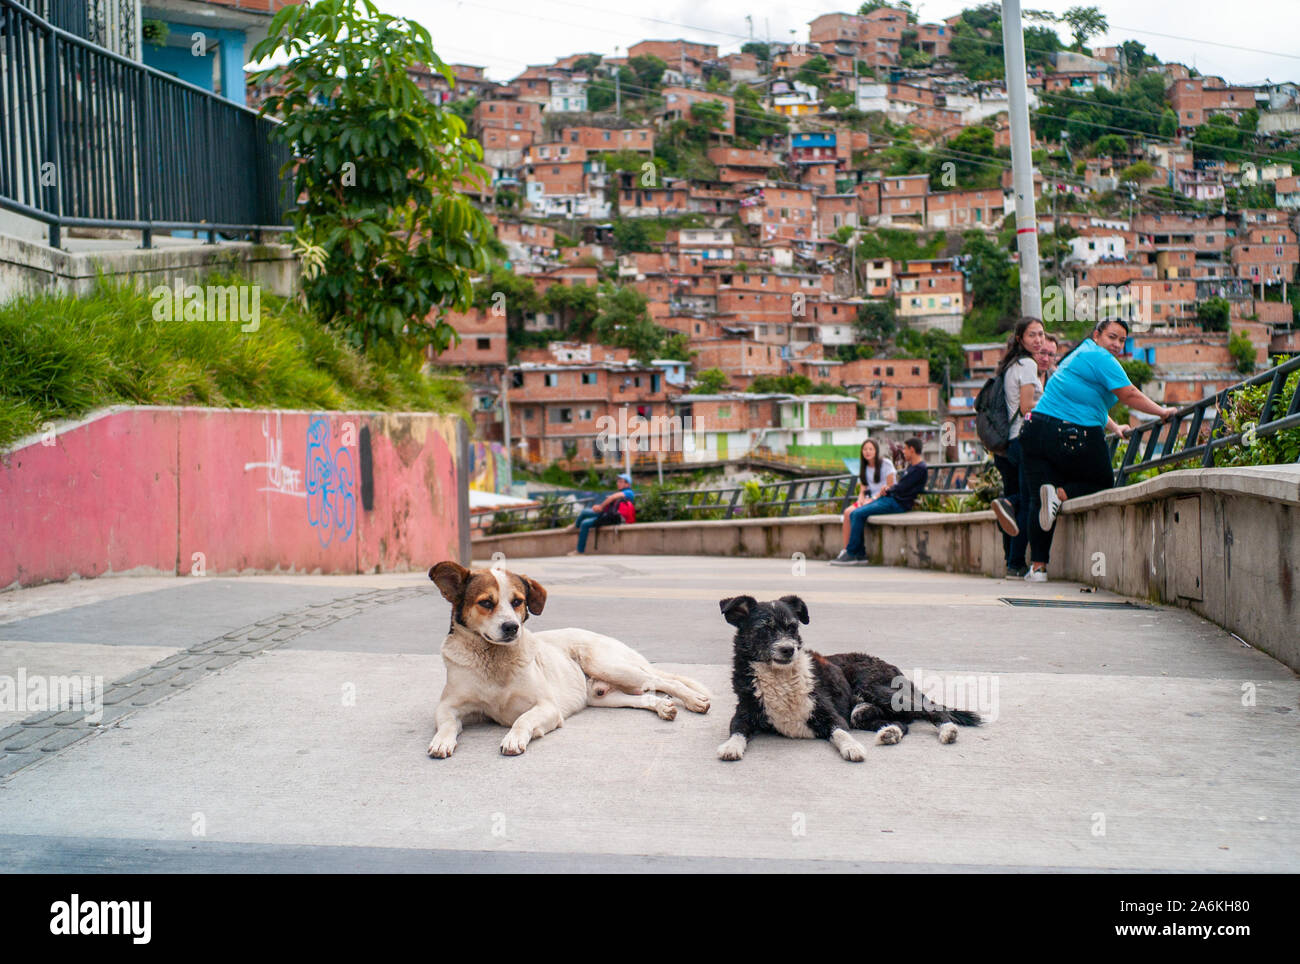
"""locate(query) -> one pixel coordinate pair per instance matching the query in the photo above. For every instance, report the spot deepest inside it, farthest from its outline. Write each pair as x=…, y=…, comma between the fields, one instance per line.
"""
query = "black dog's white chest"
x=786, y=695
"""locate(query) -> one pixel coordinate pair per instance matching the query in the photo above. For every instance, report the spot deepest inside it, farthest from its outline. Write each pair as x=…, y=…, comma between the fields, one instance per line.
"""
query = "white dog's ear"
x=797, y=607
x=736, y=608
x=450, y=579
x=534, y=594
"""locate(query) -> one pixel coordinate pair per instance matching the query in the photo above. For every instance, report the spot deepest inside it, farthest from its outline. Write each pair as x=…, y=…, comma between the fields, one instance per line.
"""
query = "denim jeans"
x=885, y=505
x=1012, y=467
x=586, y=520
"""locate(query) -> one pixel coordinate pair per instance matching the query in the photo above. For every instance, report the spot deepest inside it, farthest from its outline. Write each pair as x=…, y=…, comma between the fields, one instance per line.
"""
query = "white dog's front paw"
x=733, y=749
x=666, y=709
x=948, y=733
x=888, y=735
x=442, y=747
x=514, y=743
x=695, y=702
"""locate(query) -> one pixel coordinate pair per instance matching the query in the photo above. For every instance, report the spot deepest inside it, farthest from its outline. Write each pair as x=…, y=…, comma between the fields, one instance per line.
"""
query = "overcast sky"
x=506, y=35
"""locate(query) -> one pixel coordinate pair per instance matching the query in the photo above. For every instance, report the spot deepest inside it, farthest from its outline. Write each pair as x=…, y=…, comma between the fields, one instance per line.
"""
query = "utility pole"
x=618, y=103
x=1022, y=162
x=505, y=418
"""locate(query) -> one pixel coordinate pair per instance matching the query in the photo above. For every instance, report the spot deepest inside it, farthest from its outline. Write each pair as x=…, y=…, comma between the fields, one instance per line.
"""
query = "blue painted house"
x=207, y=42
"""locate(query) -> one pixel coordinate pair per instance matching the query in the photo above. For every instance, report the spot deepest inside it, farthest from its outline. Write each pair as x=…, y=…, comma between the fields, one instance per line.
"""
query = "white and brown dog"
x=498, y=670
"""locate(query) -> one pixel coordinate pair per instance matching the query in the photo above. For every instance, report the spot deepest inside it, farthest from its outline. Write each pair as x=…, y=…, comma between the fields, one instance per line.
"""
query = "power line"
x=1212, y=43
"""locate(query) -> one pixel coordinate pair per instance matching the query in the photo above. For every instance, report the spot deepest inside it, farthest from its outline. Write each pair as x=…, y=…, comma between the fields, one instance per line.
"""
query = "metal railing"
x=547, y=515
x=766, y=499
x=91, y=139
x=108, y=23
x=1183, y=436
x=791, y=497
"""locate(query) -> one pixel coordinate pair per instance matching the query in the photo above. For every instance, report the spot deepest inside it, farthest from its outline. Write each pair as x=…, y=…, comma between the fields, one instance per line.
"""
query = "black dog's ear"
x=534, y=594
x=450, y=579
x=797, y=607
x=736, y=608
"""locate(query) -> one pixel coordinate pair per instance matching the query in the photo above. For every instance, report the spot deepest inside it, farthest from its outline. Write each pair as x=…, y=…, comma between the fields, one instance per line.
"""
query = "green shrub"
x=62, y=356
x=1241, y=414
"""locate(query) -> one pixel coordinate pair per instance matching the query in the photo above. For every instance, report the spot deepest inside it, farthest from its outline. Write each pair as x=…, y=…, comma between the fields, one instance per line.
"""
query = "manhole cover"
x=1070, y=604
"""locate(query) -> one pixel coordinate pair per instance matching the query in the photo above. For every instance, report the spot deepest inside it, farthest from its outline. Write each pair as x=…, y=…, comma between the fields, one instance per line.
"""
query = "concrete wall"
x=927, y=540
x=30, y=267
x=1222, y=542
x=179, y=490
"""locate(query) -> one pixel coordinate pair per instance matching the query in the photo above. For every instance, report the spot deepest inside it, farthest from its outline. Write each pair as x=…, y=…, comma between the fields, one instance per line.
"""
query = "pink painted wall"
x=172, y=489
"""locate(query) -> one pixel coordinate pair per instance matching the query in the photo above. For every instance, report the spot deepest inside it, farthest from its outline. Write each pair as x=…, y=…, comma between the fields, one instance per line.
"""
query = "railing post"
x=789, y=494
x=1127, y=461
x=55, y=202
x=143, y=160
x=1219, y=401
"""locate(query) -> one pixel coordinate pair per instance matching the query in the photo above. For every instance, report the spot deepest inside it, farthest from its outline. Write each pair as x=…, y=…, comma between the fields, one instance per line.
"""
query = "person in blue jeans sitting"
x=590, y=518
x=895, y=498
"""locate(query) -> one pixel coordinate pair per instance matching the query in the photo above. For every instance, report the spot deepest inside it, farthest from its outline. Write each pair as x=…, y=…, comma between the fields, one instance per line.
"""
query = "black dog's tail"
x=903, y=701
x=964, y=717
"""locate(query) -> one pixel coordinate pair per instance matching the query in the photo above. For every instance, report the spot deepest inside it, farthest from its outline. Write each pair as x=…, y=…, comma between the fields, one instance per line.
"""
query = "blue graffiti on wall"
x=331, y=504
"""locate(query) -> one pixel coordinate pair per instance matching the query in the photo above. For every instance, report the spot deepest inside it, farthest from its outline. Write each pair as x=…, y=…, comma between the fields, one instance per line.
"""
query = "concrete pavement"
x=279, y=723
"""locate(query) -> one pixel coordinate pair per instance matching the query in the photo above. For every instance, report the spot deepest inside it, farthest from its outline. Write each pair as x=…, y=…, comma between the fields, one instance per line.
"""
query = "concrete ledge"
x=1278, y=483
x=1223, y=542
x=953, y=542
x=30, y=268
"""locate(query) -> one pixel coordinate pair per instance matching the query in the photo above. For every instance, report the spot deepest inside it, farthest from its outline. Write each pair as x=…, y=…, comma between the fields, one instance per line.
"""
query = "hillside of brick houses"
x=839, y=207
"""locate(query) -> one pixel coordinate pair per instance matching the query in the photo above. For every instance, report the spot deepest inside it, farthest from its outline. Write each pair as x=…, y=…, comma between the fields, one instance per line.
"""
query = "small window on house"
x=516, y=379
x=889, y=370
x=589, y=378
x=483, y=343
x=724, y=411
x=551, y=379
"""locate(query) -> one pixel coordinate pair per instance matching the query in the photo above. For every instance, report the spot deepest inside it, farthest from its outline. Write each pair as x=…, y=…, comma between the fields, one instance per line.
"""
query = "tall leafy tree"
x=1085, y=23
x=388, y=240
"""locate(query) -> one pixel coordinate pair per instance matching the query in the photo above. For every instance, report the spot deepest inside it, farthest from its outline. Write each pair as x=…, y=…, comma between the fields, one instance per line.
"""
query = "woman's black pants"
x=1073, y=457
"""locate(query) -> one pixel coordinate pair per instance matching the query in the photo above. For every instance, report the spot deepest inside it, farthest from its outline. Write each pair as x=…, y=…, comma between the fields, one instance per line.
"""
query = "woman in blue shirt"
x=1064, y=438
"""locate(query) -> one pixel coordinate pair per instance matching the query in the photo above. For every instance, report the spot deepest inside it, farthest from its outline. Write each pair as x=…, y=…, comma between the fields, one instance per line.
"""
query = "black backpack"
x=992, y=424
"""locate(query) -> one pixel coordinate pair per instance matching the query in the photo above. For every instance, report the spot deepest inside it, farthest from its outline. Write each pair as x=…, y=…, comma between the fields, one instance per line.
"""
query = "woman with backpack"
x=1021, y=388
x=875, y=472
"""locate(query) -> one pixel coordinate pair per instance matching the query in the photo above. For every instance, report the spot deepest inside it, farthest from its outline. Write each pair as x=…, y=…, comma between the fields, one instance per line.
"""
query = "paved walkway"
x=280, y=723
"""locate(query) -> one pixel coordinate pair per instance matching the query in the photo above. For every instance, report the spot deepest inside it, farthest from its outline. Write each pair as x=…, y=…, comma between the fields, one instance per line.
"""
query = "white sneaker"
x=1050, y=508
x=1036, y=575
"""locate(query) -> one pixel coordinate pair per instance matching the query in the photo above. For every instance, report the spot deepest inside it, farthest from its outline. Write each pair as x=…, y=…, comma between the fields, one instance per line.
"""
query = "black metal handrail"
x=784, y=498
x=1163, y=436
x=773, y=499
x=547, y=515
x=91, y=139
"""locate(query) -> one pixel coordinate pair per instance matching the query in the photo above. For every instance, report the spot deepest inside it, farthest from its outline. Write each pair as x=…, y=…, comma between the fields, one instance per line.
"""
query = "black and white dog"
x=783, y=688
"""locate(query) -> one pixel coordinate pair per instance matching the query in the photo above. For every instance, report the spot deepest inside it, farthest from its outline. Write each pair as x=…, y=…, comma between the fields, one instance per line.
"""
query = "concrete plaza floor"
x=280, y=723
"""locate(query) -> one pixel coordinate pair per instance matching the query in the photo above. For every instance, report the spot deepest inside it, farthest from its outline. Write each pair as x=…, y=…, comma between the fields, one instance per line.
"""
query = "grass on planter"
x=63, y=356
